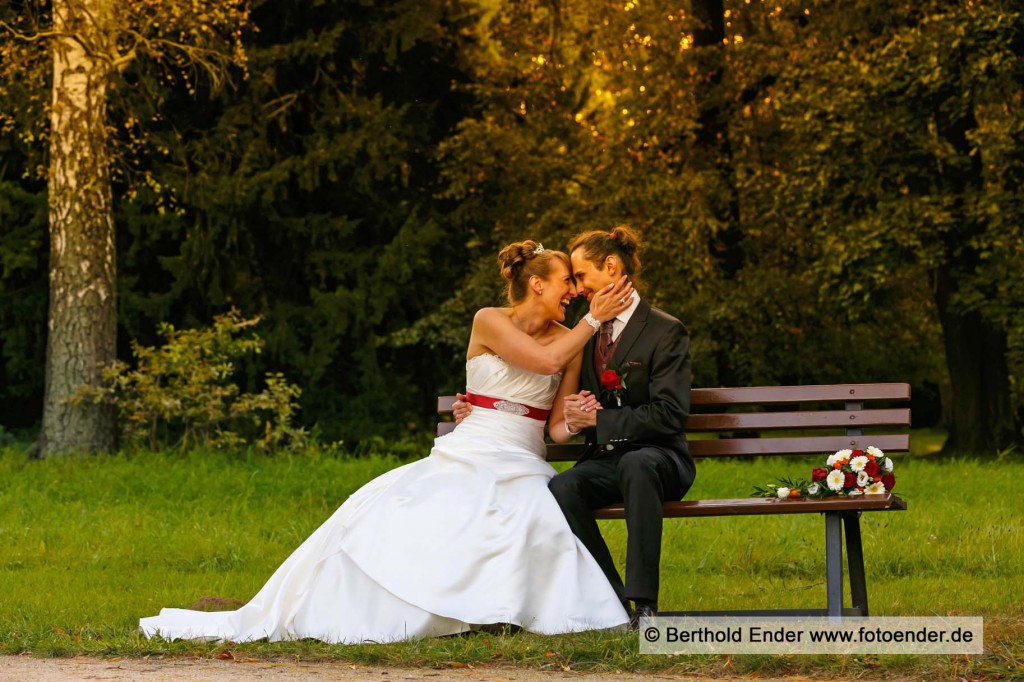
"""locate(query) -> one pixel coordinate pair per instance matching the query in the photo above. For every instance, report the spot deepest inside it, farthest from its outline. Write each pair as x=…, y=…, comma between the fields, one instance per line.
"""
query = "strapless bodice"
x=491, y=376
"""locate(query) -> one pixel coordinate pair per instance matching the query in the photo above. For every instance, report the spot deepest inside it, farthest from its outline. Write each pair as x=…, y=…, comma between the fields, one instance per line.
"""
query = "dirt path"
x=29, y=669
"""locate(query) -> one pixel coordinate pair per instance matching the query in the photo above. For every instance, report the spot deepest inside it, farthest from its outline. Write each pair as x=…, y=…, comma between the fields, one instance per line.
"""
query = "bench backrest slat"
x=844, y=419
x=798, y=394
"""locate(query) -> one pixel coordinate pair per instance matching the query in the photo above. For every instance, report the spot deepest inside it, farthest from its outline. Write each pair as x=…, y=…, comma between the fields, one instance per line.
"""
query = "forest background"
x=828, y=192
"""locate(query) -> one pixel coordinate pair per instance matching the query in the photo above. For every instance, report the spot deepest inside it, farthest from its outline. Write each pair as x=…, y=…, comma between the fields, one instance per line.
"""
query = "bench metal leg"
x=834, y=563
x=855, y=562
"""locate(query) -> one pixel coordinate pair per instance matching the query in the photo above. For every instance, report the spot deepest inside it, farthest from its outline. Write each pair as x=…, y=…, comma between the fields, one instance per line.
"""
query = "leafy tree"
x=306, y=195
x=905, y=162
x=89, y=43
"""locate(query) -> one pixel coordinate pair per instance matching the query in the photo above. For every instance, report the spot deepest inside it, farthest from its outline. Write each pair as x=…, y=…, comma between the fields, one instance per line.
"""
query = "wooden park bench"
x=738, y=422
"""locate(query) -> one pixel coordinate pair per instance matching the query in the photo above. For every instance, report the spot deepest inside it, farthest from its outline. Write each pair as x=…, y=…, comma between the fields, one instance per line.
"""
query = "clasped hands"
x=580, y=411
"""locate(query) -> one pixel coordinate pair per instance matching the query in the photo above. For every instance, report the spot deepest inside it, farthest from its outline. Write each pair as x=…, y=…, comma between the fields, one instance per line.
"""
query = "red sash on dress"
x=507, y=406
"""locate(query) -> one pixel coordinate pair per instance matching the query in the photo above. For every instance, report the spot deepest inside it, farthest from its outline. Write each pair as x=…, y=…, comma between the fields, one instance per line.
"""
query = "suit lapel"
x=630, y=334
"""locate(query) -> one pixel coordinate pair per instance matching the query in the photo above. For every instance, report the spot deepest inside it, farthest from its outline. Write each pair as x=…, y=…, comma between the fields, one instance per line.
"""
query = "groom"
x=632, y=411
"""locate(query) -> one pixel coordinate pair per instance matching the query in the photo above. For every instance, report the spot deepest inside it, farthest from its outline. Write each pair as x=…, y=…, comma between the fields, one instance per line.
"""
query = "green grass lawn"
x=87, y=546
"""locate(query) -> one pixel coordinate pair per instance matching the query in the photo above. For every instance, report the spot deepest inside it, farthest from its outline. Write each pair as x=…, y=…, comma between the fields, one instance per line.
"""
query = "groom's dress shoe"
x=642, y=610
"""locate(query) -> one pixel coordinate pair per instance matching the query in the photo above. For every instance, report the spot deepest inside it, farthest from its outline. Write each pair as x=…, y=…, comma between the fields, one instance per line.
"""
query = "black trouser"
x=642, y=479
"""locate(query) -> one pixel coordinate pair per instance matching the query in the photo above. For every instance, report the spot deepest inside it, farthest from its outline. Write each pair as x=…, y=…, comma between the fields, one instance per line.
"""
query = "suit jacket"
x=654, y=351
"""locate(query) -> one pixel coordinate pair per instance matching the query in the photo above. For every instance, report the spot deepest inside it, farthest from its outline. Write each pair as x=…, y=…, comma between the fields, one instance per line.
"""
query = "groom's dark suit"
x=638, y=453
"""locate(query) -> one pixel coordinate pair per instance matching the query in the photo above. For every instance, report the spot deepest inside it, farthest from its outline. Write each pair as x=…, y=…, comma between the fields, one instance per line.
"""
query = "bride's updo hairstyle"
x=521, y=261
x=622, y=241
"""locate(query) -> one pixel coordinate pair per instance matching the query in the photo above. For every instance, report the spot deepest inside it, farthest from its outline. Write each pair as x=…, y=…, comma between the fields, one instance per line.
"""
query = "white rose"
x=862, y=478
x=876, y=488
x=858, y=463
x=835, y=479
x=888, y=465
x=872, y=450
x=783, y=493
x=813, y=489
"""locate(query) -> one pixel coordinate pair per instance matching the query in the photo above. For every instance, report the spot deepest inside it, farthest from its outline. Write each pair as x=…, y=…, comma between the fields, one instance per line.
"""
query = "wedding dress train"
x=467, y=536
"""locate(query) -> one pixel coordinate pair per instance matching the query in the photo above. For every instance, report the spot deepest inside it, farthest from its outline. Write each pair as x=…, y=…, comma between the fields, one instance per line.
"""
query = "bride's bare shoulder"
x=486, y=314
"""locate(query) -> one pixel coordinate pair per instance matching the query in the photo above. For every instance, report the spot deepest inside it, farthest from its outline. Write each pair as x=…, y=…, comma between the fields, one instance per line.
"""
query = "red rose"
x=849, y=480
x=857, y=453
x=819, y=474
x=889, y=481
x=610, y=380
x=871, y=468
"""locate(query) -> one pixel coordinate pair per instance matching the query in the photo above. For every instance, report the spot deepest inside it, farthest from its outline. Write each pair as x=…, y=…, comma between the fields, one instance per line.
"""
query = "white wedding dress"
x=467, y=536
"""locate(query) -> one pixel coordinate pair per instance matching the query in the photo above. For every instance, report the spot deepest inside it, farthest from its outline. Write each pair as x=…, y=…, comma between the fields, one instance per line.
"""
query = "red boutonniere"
x=613, y=383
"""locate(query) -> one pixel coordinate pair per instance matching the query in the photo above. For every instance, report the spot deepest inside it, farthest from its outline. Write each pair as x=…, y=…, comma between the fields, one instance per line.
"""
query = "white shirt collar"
x=623, y=318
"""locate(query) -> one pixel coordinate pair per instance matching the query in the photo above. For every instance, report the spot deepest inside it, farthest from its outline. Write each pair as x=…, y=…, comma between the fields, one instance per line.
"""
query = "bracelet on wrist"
x=570, y=431
x=592, y=321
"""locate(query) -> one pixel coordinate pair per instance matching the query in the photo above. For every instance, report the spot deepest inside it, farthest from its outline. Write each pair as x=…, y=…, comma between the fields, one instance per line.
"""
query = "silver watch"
x=592, y=321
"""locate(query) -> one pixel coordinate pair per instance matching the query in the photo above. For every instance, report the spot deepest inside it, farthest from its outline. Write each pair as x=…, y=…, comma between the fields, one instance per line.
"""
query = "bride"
x=469, y=535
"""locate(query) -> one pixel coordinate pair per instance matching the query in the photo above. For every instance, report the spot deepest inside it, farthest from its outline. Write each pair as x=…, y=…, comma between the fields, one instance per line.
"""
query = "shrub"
x=183, y=394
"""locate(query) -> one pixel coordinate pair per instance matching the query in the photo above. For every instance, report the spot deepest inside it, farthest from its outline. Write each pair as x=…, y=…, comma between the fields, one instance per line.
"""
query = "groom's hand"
x=460, y=408
x=580, y=410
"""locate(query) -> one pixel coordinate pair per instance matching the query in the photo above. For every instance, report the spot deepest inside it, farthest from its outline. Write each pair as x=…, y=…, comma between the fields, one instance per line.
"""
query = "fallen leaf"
x=225, y=655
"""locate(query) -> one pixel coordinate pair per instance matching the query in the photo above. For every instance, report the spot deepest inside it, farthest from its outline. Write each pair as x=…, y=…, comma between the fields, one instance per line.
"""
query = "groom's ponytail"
x=521, y=261
x=622, y=241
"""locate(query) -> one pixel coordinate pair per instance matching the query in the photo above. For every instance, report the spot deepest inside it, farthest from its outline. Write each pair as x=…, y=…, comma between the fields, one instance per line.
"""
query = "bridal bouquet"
x=847, y=472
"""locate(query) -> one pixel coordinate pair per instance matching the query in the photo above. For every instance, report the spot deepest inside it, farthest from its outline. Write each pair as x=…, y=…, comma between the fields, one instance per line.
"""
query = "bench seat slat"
x=849, y=419
x=729, y=447
x=758, y=506
x=798, y=394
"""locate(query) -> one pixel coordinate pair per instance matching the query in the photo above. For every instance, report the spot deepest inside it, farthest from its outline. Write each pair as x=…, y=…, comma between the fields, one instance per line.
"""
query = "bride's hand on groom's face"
x=611, y=300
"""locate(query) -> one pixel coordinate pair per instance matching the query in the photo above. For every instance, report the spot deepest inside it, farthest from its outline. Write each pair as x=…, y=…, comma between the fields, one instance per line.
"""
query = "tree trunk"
x=82, y=330
x=981, y=418
x=712, y=134
x=713, y=139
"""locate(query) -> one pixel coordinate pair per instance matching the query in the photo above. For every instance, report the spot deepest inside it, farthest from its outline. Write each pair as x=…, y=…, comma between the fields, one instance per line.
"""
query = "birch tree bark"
x=82, y=330
x=90, y=43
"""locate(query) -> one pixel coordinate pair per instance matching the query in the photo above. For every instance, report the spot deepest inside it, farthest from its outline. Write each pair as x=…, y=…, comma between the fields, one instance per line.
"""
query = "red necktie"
x=602, y=351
